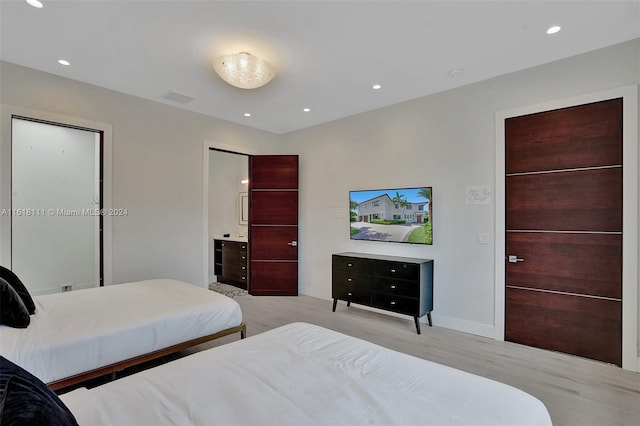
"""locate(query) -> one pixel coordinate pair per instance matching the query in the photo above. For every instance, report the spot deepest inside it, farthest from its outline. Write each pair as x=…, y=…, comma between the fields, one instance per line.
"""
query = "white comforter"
x=79, y=331
x=302, y=374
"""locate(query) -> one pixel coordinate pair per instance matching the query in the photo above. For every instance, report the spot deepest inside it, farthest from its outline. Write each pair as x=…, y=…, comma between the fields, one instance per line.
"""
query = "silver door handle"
x=514, y=259
x=293, y=243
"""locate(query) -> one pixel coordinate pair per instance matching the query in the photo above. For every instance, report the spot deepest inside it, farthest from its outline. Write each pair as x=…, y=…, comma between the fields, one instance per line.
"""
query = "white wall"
x=447, y=141
x=55, y=172
x=157, y=168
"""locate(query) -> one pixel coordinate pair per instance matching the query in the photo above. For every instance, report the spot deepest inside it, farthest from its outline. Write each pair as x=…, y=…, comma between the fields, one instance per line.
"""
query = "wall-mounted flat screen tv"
x=401, y=215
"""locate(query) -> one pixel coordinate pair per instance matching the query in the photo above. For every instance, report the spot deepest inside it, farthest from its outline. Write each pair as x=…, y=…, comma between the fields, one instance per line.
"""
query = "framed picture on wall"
x=243, y=208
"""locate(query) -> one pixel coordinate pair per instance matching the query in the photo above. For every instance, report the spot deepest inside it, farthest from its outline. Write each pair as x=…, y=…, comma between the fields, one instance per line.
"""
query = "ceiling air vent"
x=177, y=97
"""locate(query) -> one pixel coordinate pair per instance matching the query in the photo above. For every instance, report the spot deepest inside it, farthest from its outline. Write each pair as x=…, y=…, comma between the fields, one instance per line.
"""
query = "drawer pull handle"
x=244, y=247
x=349, y=279
x=348, y=294
x=349, y=264
x=244, y=267
x=392, y=302
x=243, y=278
x=393, y=270
x=243, y=258
x=392, y=286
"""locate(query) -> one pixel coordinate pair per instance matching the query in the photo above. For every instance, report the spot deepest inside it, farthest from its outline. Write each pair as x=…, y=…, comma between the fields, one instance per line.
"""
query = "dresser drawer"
x=353, y=294
x=350, y=278
x=341, y=263
x=390, y=302
x=396, y=287
x=404, y=271
x=237, y=274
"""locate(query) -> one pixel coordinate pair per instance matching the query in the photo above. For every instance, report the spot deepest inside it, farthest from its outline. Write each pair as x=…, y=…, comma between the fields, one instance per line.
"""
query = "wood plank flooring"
x=576, y=391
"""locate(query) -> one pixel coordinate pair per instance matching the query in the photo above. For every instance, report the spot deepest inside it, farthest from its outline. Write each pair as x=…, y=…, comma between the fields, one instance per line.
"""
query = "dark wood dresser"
x=399, y=284
x=230, y=259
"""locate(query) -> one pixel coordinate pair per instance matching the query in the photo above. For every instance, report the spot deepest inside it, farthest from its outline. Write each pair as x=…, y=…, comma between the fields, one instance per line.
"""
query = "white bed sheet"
x=301, y=374
x=79, y=331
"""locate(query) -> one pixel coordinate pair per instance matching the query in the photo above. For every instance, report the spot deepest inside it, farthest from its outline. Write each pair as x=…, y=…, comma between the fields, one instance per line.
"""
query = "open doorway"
x=56, y=202
x=227, y=218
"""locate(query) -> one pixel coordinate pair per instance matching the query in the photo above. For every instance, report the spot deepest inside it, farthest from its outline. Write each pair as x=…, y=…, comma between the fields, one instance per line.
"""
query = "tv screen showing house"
x=400, y=215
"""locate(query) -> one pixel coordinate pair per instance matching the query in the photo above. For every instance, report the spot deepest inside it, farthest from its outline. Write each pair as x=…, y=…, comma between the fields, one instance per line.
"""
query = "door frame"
x=206, y=147
x=630, y=355
x=7, y=112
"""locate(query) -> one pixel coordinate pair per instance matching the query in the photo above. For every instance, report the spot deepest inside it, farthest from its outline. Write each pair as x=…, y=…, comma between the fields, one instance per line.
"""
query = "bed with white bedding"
x=82, y=334
x=302, y=374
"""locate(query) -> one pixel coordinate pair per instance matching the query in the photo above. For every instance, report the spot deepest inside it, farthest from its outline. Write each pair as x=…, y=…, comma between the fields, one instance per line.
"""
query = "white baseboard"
x=84, y=285
x=52, y=290
x=478, y=329
x=471, y=327
x=43, y=291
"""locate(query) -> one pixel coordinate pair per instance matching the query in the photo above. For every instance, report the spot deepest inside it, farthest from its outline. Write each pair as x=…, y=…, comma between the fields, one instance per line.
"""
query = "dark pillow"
x=12, y=310
x=17, y=285
x=25, y=400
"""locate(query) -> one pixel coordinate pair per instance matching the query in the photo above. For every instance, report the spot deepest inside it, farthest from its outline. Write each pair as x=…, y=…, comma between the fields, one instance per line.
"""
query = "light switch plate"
x=483, y=238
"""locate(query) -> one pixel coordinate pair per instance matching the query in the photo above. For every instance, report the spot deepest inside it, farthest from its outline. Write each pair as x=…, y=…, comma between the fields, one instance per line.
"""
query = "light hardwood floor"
x=576, y=391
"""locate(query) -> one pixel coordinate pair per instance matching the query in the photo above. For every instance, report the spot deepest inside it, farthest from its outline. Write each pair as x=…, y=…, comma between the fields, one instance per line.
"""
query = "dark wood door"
x=273, y=225
x=564, y=230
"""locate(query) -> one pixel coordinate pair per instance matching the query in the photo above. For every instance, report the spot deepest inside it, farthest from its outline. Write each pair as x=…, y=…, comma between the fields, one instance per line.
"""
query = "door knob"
x=293, y=243
x=514, y=259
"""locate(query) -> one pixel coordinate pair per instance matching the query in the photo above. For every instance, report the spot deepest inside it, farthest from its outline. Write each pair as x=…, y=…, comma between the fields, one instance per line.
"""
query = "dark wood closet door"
x=564, y=230
x=273, y=225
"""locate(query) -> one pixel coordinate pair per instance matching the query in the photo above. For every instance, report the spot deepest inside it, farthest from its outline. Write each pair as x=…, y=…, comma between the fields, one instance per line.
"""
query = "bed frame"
x=119, y=366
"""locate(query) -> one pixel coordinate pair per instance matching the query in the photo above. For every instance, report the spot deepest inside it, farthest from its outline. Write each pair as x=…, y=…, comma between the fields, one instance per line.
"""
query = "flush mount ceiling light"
x=243, y=70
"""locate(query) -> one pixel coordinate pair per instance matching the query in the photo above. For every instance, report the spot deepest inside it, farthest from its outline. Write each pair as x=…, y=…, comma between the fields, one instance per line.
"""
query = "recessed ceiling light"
x=306, y=109
x=64, y=62
x=246, y=114
x=35, y=3
x=553, y=30
x=376, y=87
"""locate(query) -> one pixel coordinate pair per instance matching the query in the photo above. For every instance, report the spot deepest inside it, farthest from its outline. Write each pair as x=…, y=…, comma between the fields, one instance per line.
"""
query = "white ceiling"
x=327, y=54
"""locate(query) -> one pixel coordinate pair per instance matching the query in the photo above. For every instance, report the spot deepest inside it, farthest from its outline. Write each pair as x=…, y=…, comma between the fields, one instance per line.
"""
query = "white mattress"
x=302, y=374
x=82, y=330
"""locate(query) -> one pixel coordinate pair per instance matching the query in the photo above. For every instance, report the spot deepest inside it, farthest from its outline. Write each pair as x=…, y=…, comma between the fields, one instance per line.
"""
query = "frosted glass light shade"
x=243, y=70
